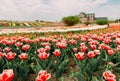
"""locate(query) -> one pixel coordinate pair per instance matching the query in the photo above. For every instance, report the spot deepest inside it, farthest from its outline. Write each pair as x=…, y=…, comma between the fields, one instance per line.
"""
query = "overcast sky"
x=54, y=10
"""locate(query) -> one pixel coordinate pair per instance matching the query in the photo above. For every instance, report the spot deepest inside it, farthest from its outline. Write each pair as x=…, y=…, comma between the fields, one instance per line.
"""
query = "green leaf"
x=79, y=76
x=23, y=72
x=1, y=64
x=119, y=80
x=92, y=66
x=118, y=70
x=60, y=68
x=35, y=68
x=94, y=79
x=61, y=79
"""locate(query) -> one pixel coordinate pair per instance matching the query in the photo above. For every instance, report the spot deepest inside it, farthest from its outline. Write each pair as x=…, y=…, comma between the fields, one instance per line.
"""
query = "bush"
x=102, y=22
x=71, y=20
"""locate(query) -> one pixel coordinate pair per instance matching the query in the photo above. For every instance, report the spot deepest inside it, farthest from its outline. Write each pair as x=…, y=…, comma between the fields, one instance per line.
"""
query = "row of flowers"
x=91, y=53
x=8, y=75
x=15, y=24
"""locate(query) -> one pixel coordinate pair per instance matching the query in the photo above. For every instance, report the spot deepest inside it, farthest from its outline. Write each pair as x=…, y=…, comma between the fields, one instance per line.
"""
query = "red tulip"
x=118, y=48
x=110, y=79
x=1, y=79
x=23, y=56
x=110, y=52
x=27, y=40
x=18, y=44
x=83, y=39
x=43, y=76
x=83, y=48
x=57, y=44
x=82, y=44
x=25, y=47
x=7, y=49
x=75, y=50
x=72, y=42
x=96, y=52
x=57, y=52
x=75, y=37
x=43, y=39
x=63, y=45
x=14, y=38
x=36, y=40
x=10, y=42
x=10, y=55
x=54, y=40
x=41, y=50
x=43, y=56
x=95, y=37
x=107, y=47
x=101, y=38
x=91, y=54
x=80, y=56
x=114, y=36
x=7, y=75
x=55, y=36
x=102, y=46
x=1, y=55
x=45, y=44
x=92, y=42
x=3, y=41
x=109, y=76
x=107, y=40
x=92, y=47
x=47, y=48
x=117, y=40
x=21, y=39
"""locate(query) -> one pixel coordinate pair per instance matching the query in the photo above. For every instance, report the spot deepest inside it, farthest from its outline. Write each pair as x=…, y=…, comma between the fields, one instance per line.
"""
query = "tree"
x=71, y=20
x=36, y=20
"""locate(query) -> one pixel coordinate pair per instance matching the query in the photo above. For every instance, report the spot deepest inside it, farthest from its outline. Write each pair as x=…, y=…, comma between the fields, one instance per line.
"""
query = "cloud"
x=111, y=11
x=52, y=10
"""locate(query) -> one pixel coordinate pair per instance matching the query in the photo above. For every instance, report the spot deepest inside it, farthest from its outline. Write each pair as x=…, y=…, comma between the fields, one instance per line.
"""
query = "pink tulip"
x=43, y=76
x=109, y=76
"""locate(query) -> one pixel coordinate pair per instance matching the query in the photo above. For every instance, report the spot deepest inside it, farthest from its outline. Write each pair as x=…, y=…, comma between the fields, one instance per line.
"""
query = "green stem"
x=78, y=63
x=106, y=67
x=38, y=63
x=8, y=66
x=106, y=57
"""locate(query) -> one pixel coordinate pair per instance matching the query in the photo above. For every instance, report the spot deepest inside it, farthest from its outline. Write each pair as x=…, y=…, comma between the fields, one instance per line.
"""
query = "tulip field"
x=60, y=57
x=17, y=24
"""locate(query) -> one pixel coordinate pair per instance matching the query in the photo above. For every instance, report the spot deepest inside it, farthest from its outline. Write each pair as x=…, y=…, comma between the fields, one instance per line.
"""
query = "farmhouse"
x=90, y=17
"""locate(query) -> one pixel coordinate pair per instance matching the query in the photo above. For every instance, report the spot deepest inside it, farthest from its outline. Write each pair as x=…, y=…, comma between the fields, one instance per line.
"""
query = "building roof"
x=91, y=14
x=83, y=13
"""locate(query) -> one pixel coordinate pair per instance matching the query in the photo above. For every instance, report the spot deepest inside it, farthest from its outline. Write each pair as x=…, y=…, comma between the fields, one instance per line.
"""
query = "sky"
x=55, y=10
